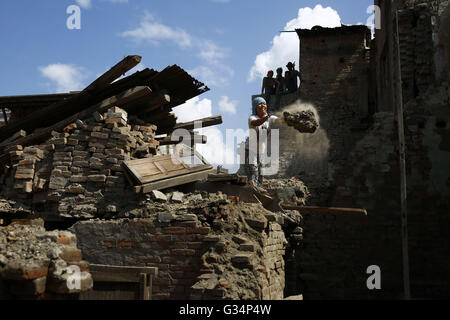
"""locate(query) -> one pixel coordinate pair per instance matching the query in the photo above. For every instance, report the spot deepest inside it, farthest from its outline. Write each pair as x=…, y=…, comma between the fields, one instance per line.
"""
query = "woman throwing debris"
x=260, y=124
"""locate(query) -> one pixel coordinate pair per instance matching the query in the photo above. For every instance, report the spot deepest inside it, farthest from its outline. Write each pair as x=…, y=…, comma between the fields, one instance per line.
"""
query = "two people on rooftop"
x=279, y=84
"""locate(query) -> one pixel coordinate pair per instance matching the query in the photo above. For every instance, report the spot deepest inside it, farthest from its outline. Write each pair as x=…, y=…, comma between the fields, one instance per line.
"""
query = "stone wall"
x=214, y=250
x=35, y=263
x=77, y=173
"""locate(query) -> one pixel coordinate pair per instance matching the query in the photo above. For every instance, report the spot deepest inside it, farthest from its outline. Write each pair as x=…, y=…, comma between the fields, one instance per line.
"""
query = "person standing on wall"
x=291, y=78
x=269, y=85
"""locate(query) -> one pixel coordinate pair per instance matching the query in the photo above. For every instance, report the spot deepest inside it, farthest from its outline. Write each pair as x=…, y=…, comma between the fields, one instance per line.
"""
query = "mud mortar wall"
x=195, y=261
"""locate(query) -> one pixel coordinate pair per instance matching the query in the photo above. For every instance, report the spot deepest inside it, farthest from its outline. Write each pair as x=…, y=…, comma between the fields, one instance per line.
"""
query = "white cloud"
x=152, y=31
x=86, y=4
x=210, y=52
x=215, y=150
x=212, y=76
x=212, y=71
x=66, y=77
x=285, y=47
x=226, y=105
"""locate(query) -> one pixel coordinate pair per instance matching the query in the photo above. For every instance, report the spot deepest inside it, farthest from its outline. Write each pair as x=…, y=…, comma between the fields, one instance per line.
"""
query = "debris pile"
x=34, y=263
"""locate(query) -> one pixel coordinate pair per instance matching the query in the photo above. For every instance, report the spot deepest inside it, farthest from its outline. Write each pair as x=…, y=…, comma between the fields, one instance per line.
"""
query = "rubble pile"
x=207, y=246
x=35, y=263
x=302, y=121
x=74, y=170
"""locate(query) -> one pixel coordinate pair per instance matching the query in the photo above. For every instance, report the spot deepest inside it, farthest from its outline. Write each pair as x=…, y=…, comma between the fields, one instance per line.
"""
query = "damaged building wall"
x=337, y=250
x=335, y=65
x=204, y=249
x=35, y=263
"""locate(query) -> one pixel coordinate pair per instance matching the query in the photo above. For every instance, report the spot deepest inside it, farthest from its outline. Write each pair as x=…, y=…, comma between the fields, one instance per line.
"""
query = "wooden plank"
x=222, y=177
x=175, y=181
x=160, y=167
x=143, y=287
x=205, y=122
x=14, y=137
x=309, y=209
x=115, y=72
x=126, y=269
x=101, y=107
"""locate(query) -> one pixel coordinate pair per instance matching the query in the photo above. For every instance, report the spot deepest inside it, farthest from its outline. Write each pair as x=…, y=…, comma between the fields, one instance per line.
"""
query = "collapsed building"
x=81, y=188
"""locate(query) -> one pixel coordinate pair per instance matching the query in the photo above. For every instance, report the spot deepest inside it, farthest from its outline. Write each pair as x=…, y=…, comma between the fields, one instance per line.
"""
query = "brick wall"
x=78, y=173
x=229, y=260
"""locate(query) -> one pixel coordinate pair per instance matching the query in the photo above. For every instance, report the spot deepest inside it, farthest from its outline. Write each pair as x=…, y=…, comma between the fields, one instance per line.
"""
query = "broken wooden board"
x=309, y=209
x=166, y=171
x=232, y=178
x=173, y=182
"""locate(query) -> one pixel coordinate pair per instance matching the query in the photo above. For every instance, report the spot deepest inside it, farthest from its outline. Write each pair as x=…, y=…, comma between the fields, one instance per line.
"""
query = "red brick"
x=109, y=244
x=178, y=245
x=200, y=230
x=161, y=282
x=150, y=259
x=188, y=224
x=32, y=274
x=186, y=282
x=184, y=237
x=160, y=238
x=71, y=254
x=183, y=252
x=127, y=244
x=195, y=245
x=174, y=230
x=177, y=274
x=171, y=260
x=83, y=265
x=64, y=239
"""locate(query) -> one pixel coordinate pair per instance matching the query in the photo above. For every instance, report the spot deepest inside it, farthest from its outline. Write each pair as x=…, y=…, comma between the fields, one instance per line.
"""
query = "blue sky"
x=227, y=44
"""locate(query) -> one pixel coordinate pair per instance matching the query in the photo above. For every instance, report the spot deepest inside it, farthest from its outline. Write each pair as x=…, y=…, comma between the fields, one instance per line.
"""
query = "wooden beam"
x=148, y=104
x=107, y=273
x=115, y=72
x=169, y=141
x=63, y=109
x=101, y=107
x=205, y=122
x=308, y=209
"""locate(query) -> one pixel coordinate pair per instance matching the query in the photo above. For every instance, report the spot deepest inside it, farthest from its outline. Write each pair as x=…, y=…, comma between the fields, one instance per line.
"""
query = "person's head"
x=270, y=74
x=290, y=66
x=259, y=107
x=279, y=71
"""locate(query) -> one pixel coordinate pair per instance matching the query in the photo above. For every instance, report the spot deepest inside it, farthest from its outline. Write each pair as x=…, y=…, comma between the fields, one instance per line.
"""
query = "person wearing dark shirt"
x=291, y=78
x=269, y=85
x=281, y=85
